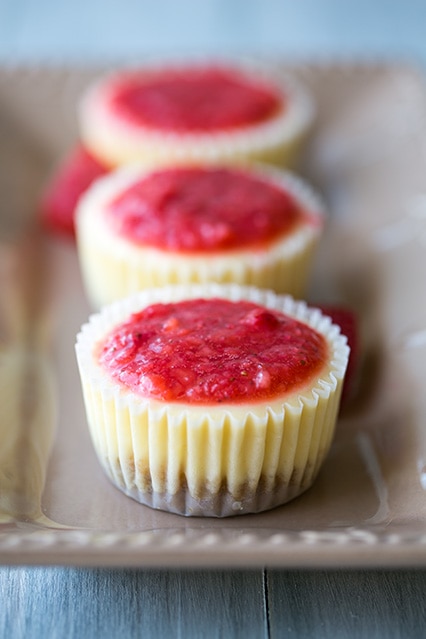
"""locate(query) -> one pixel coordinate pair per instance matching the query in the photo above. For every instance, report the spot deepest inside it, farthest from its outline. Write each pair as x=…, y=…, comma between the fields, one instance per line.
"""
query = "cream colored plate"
x=368, y=506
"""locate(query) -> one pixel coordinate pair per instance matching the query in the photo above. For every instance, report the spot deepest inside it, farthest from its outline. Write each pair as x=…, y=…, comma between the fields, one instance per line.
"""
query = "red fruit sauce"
x=201, y=209
x=192, y=100
x=78, y=171
x=207, y=351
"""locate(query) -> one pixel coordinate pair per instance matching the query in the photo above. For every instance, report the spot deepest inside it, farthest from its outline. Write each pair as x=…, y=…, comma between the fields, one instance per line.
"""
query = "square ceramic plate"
x=367, y=156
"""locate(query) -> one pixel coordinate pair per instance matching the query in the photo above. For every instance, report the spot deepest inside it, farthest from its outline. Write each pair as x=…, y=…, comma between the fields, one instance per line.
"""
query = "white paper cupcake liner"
x=211, y=460
x=114, y=267
x=276, y=141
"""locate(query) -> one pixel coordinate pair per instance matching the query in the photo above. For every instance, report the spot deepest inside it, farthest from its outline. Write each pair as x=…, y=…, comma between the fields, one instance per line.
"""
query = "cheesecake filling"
x=211, y=400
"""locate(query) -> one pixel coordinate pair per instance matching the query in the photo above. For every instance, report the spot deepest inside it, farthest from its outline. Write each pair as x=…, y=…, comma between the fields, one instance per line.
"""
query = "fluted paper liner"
x=278, y=140
x=211, y=460
x=114, y=267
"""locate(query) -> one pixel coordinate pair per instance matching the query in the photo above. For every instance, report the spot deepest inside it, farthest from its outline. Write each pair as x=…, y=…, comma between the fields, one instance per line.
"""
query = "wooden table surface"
x=83, y=603
x=99, y=602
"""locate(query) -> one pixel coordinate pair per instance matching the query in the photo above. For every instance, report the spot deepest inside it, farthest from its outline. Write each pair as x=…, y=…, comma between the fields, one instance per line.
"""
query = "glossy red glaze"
x=192, y=100
x=207, y=351
x=203, y=209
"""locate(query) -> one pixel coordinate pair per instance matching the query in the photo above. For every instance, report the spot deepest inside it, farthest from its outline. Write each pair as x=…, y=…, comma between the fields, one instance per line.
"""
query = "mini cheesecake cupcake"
x=211, y=400
x=211, y=112
x=139, y=229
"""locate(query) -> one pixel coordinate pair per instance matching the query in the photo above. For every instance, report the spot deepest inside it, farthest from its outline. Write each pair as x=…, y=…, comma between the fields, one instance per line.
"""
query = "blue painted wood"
x=84, y=603
x=59, y=603
x=347, y=604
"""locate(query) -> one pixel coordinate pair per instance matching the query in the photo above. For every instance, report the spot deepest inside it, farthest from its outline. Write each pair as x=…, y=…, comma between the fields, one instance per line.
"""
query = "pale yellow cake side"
x=114, y=267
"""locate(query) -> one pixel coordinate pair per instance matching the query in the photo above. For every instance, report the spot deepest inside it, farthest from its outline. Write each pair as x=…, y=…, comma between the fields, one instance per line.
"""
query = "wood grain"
x=357, y=604
x=81, y=603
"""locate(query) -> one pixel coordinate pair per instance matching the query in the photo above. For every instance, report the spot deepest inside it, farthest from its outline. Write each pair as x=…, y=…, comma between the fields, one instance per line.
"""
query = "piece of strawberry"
x=74, y=175
x=347, y=319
